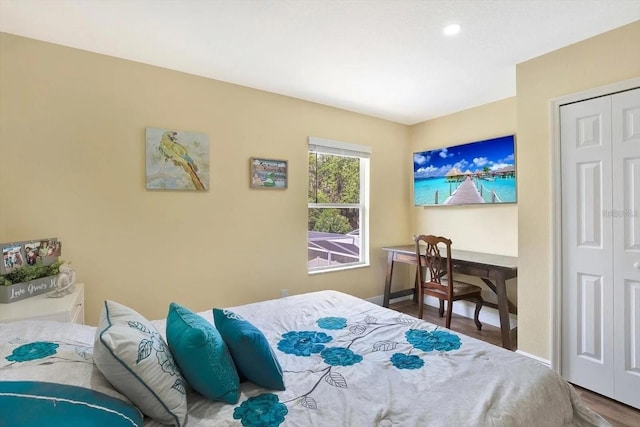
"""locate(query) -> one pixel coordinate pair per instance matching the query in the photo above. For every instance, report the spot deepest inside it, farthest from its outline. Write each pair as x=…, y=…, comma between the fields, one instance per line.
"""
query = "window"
x=338, y=235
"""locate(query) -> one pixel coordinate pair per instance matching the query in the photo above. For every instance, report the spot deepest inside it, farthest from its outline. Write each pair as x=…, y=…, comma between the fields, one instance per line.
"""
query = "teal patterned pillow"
x=35, y=403
x=202, y=355
x=250, y=350
x=134, y=357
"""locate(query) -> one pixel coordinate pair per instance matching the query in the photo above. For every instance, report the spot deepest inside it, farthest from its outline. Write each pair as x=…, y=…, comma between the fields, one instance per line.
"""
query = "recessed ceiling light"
x=452, y=29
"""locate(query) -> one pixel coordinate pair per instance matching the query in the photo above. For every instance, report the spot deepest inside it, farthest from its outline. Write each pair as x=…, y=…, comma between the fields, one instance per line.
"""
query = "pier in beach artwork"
x=475, y=173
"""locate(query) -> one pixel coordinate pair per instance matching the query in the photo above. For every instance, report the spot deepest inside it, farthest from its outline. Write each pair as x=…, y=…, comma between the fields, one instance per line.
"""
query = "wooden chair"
x=431, y=251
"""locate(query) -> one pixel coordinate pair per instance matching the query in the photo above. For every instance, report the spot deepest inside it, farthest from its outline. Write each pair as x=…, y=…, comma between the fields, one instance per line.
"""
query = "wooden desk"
x=494, y=270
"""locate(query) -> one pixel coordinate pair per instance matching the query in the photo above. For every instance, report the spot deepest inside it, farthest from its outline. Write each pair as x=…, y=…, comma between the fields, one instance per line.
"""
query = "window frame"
x=345, y=149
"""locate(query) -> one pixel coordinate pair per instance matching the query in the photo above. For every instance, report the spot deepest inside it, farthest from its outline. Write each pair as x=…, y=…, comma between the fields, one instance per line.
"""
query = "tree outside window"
x=337, y=210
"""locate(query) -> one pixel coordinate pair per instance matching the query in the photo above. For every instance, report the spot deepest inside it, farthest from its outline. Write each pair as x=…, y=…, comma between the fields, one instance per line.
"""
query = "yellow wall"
x=472, y=227
x=72, y=165
x=476, y=226
x=601, y=60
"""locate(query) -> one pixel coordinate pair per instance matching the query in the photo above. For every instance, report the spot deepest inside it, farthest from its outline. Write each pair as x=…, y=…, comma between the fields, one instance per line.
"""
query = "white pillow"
x=134, y=357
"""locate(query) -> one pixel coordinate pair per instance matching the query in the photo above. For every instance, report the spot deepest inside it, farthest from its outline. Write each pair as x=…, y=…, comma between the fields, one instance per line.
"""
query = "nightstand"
x=69, y=308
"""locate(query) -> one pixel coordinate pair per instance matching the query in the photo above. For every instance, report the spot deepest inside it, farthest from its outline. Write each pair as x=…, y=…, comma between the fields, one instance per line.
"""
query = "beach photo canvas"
x=480, y=172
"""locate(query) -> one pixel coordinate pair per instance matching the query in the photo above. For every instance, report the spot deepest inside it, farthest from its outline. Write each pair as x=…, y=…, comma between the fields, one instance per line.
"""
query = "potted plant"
x=28, y=281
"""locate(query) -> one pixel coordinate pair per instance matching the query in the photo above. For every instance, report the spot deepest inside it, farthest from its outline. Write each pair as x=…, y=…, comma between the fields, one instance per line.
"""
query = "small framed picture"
x=12, y=257
x=32, y=251
x=268, y=173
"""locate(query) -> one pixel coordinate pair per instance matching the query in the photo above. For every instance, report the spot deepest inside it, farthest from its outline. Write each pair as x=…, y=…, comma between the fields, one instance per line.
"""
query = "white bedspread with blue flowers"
x=348, y=362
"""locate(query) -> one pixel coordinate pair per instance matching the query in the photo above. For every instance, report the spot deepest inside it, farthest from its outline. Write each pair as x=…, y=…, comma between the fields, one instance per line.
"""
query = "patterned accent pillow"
x=250, y=350
x=35, y=403
x=202, y=355
x=134, y=357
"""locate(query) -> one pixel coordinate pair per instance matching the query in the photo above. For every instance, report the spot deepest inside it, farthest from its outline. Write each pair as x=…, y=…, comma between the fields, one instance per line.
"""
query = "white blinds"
x=329, y=146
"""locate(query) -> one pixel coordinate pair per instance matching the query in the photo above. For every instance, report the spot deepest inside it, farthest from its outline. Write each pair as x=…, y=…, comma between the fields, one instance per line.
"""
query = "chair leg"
x=449, y=310
x=420, y=302
x=441, y=310
x=477, y=313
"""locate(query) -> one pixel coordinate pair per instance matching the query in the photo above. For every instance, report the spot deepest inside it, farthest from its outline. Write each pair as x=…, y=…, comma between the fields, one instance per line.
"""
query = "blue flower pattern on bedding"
x=264, y=410
x=333, y=323
x=267, y=410
x=44, y=353
x=303, y=343
x=433, y=340
x=406, y=361
x=33, y=351
x=340, y=356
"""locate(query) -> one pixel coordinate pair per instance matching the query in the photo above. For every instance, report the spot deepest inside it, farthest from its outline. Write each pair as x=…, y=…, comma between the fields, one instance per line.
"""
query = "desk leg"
x=387, y=281
x=503, y=310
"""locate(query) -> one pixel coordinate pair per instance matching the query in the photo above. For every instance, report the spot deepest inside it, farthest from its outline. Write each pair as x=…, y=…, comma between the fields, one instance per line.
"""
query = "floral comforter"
x=346, y=362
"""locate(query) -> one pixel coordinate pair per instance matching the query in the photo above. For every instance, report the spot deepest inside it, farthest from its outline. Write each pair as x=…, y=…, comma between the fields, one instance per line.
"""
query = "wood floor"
x=618, y=414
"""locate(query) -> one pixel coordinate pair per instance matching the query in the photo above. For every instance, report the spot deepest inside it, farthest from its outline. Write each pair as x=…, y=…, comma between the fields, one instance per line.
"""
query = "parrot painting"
x=172, y=150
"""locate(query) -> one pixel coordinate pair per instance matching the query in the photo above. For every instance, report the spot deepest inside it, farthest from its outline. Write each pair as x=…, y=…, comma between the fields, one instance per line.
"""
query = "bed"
x=344, y=362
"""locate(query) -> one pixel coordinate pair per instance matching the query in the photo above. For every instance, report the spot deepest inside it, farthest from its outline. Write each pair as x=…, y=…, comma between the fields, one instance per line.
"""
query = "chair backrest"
x=434, y=253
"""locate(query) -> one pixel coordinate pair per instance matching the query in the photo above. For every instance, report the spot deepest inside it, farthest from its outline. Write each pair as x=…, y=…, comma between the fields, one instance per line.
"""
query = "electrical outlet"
x=284, y=293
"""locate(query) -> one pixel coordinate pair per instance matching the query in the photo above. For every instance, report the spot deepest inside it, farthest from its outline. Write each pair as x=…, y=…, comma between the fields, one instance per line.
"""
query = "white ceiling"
x=384, y=58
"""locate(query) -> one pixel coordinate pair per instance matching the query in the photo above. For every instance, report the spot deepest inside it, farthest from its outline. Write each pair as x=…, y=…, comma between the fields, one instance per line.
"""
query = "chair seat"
x=459, y=288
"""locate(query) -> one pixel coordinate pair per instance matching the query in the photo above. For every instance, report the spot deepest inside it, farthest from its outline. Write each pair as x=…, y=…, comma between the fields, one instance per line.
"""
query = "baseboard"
x=488, y=315
x=545, y=362
x=378, y=300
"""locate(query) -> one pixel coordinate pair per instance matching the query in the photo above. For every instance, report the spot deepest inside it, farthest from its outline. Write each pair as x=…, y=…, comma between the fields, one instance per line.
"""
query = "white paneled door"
x=626, y=245
x=587, y=243
x=600, y=155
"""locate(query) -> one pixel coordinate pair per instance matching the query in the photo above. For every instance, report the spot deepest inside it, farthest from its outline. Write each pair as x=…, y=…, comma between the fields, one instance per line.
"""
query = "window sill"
x=331, y=270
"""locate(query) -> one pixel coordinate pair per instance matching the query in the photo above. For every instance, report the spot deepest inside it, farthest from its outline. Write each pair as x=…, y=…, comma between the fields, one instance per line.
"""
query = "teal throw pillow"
x=35, y=403
x=202, y=355
x=250, y=350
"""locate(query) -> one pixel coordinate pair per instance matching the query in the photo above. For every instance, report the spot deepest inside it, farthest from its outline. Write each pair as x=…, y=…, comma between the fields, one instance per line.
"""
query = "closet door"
x=626, y=244
x=587, y=245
